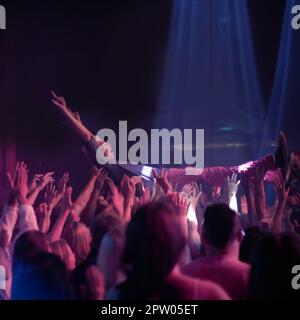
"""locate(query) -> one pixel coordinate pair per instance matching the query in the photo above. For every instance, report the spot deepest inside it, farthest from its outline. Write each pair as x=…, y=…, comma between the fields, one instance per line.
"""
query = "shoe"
x=281, y=154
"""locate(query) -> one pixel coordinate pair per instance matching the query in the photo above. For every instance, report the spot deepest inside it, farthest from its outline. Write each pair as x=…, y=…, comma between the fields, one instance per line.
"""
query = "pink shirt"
x=227, y=271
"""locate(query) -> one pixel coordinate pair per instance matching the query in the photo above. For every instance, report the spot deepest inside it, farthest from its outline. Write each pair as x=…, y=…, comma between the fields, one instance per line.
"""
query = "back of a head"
x=43, y=278
x=155, y=240
x=220, y=225
x=79, y=239
x=27, y=245
x=102, y=224
x=109, y=256
x=271, y=273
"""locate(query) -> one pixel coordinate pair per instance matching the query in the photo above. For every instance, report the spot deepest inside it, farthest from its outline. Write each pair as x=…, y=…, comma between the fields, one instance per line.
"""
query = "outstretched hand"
x=67, y=200
x=180, y=202
x=47, y=178
x=62, y=183
x=233, y=184
x=22, y=183
x=60, y=102
x=192, y=192
x=163, y=181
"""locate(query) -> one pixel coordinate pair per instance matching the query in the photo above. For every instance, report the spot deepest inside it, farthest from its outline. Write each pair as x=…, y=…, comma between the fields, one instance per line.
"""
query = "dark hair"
x=154, y=241
x=271, y=276
x=28, y=245
x=249, y=243
x=220, y=224
x=43, y=278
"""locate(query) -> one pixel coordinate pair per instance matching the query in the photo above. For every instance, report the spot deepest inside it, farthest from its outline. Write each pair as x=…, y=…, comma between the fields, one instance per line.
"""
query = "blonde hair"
x=61, y=249
x=79, y=239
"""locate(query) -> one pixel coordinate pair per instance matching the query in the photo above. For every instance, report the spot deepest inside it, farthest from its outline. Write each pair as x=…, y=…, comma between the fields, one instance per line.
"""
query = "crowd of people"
x=207, y=237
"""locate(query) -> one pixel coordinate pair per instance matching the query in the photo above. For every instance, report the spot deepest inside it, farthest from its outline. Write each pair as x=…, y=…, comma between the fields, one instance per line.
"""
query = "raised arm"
x=57, y=229
x=72, y=118
x=260, y=197
x=44, y=180
x=89, y=212
x=233, y=186
x=282, y=194
x=82, y=200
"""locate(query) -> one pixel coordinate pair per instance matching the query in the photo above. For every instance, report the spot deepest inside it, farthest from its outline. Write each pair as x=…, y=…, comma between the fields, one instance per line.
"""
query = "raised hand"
x=162, y=180
x=101, y=178
x=116, y=198
x=51, y=196
x=136, y=180
x=233, y=184
x=187, y=190
x=43, y=217
x=128, y=188
x=60, y=102
x=67, y=200
x=244, y=205
x=12, y=179
x=192, y=192
x=22, y=183
x=62, y=183
x=46, y=178
x=35, y=181
x=180, y=202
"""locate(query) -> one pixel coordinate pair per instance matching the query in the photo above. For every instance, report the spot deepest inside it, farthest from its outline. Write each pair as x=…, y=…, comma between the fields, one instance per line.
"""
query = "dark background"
x=106, y=58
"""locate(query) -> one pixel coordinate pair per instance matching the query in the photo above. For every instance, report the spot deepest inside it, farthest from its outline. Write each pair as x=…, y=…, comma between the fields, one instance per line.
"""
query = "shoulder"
x=192, y=267
x=207, y=290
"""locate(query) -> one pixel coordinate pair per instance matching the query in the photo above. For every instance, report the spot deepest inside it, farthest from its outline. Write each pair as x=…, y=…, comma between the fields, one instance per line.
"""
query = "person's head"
x=271, y=273
x=155, y=240
x=221, y=230
x=44, y=277
x=79, y=239
x=88, y=283
x=109, y=255
x=28, y=245
x=64, y=252
x=102, y=224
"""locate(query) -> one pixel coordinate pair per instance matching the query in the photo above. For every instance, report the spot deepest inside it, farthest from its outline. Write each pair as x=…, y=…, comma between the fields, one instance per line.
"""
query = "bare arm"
x=57, y=229
x=129, y=189
x=249, y=193
x=82, y=200
x=260, y=197
x=72, y=118
x=47, y=178
x=88, y=214
x=282, y=194
x=233, y=185
x=43, y=217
